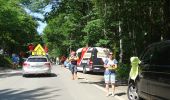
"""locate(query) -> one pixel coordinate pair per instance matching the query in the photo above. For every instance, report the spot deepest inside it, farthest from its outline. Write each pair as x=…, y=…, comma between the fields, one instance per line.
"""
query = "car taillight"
x=25, y=64
x=47, y=64
x=91, y=62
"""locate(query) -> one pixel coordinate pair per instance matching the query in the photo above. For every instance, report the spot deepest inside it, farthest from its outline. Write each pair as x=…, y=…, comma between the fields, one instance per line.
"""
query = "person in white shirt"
x=110, y=65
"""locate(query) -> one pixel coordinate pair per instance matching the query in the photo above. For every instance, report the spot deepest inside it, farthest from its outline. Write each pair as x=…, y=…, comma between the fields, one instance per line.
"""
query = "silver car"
x=36, y=65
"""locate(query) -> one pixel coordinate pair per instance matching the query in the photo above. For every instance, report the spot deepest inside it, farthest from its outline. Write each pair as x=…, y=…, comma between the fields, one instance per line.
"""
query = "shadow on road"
x=102, y=84
x=40, y=75
x=5, y=75
x=120, y=94
x=94, y=73
x=80, y=78
x=21, y=94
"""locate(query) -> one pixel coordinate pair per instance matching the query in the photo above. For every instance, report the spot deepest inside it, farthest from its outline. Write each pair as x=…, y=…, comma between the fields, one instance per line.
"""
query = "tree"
x=17, y=27
x=65, y=25
x=98, y=22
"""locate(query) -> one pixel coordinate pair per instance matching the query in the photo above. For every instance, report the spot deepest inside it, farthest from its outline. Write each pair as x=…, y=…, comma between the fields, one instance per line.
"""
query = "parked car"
x=36, y=65
x=91, y=59
x=153, y=80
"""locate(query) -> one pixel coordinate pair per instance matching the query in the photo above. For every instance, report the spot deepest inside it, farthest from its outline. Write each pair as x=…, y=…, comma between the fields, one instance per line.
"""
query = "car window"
x=147, y=55
x=161, y=55
x=37, y=60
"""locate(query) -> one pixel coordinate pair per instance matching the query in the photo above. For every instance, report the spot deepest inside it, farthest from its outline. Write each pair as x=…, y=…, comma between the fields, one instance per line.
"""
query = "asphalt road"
x=58, y=86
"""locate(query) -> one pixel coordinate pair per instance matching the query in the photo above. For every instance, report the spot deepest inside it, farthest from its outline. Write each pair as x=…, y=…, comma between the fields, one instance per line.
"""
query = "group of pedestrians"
x=110, y=65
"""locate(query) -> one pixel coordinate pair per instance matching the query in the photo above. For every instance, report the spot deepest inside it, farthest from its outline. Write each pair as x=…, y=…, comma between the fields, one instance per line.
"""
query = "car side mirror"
x=142, y=63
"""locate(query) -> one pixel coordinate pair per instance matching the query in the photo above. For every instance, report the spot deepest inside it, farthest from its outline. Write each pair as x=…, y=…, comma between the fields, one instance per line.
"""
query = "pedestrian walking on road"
x=110, y=65
x=63, y=58
x=57, y=61
x=73, y=64
x=15, y=60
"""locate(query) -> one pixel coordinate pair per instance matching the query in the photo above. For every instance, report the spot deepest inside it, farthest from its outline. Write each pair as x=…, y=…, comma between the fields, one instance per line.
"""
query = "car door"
x=159, y=82
x=144, y=74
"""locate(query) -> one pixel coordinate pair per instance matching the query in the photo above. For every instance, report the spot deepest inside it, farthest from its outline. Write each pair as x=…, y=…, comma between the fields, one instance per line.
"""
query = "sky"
x=41, y=25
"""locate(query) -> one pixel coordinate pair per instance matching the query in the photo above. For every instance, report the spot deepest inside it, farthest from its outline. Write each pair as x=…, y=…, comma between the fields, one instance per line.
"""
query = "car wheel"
x=24, y=75
x=84, y=70
x=132, y=92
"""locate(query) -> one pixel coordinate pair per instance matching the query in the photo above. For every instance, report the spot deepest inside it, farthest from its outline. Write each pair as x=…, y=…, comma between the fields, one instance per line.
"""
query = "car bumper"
x=38, y=71
x=95, y=69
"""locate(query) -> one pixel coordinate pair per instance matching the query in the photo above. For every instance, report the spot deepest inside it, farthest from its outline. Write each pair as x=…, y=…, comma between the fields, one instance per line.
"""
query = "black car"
x=153, y=80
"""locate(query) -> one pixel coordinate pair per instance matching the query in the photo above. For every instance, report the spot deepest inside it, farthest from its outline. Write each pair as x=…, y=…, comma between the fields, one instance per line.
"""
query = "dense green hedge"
x=5, y=61
x=122, y=72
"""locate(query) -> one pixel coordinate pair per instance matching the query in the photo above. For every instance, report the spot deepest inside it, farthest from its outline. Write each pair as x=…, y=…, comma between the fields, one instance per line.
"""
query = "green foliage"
x=64, y=30
x=5, y=62
x=17, y=27
x=102, y=42
x=93, y=29
x=123, y=71
x=79, y=23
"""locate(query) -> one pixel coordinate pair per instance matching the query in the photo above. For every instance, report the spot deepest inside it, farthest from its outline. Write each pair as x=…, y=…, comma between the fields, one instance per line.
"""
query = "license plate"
x=36, y=66
x=97, y=68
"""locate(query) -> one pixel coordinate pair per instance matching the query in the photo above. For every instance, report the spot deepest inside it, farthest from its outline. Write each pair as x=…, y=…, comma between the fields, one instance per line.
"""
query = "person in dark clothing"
x=63, y=58
x=73, y=64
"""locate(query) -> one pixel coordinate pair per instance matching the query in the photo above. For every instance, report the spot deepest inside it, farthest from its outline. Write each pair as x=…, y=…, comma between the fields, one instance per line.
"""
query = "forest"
x=126, y=27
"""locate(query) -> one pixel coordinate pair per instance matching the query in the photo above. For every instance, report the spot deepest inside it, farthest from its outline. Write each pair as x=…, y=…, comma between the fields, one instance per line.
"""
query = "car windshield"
x=37, y=60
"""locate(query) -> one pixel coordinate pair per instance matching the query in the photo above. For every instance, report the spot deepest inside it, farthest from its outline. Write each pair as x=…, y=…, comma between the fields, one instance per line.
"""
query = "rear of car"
x=91, y=59
x=36, y=65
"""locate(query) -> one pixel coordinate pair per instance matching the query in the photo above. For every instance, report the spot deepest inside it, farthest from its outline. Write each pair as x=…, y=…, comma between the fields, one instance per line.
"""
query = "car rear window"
x=37, y=60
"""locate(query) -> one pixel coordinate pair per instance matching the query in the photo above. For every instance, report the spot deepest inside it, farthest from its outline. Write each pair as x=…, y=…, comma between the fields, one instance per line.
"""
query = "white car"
x=36, y=65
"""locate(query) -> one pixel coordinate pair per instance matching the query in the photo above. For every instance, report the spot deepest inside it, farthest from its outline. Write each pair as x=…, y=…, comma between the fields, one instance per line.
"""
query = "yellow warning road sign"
x=38, y=51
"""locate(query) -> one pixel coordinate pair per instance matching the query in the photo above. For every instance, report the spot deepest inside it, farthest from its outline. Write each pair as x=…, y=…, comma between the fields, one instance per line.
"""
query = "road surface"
x=58, y=86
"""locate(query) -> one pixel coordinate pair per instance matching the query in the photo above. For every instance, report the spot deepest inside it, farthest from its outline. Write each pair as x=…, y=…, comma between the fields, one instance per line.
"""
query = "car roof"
x=37, y=57
x=166, y=42
x=156, y=44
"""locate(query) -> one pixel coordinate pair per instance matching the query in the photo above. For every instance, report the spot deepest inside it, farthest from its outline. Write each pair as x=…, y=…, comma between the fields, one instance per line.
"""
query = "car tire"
x=132, y=92
x=84, y=70
x=24, y=75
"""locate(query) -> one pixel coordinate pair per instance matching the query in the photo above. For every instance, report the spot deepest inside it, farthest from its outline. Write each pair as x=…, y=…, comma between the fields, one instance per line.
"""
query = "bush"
x=123, y=72
x=5, y=61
